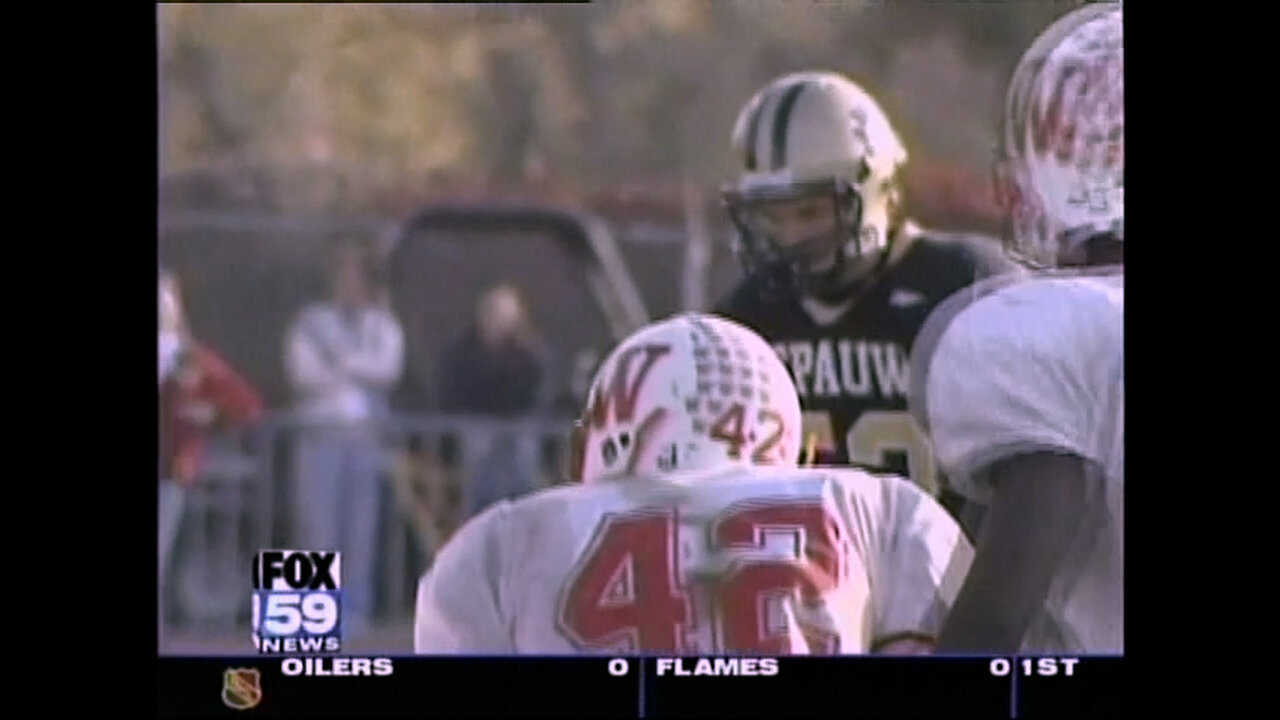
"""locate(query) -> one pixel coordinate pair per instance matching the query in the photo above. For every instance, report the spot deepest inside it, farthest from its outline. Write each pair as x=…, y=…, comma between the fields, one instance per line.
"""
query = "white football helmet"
x=694, y=392
x=1059, y=168
x=819, y=134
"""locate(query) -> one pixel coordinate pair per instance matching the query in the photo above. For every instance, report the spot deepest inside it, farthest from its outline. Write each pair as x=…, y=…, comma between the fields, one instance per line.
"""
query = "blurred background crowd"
x=395, y=240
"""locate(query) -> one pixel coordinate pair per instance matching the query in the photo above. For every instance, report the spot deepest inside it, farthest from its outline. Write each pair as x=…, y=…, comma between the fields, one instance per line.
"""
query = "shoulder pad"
x=930, y=335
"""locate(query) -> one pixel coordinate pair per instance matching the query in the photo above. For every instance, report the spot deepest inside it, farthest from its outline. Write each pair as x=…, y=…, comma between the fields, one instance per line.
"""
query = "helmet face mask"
x=577, y=450
x=799, y=231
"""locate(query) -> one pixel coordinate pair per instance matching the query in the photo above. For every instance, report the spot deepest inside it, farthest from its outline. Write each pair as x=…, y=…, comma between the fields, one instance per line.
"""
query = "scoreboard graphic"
x=297, y=602
x=456, y=686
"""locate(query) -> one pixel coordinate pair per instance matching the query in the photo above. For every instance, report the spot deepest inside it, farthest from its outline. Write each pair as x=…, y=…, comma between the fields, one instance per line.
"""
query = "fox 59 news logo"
x=297, y=601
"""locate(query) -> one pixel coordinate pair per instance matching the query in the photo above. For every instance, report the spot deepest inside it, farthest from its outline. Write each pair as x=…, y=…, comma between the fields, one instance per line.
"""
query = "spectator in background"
x=342, y=358
x=496, y=367
x=496, y=370
x=199, y=394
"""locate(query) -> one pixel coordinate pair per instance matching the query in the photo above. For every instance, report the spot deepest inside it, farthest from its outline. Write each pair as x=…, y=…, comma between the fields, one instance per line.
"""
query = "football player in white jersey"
x=1020, y=381
x=693, y=531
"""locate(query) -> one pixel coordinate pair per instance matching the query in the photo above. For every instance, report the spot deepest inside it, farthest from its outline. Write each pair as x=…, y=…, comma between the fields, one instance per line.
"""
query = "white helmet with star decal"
x=693, y=392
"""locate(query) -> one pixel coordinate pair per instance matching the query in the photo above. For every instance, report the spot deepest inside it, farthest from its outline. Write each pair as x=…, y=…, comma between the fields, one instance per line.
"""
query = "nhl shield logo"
x=241, y=688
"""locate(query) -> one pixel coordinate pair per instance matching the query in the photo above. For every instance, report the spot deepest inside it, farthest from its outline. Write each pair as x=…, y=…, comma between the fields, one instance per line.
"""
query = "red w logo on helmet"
x=1084, y=92
x=620, y=392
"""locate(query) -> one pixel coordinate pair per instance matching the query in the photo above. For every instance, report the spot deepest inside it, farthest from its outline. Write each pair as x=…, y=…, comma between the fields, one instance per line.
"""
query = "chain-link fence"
x=243, y=503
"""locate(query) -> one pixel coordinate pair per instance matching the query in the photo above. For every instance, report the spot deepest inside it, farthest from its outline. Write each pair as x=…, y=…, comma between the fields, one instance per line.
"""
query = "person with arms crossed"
x=689, y=514
x=1020, y=381
x=837, y=278
x=342, y=357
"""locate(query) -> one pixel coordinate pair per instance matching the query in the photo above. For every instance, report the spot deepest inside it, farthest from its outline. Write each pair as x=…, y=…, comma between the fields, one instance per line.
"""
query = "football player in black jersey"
x=837, y=278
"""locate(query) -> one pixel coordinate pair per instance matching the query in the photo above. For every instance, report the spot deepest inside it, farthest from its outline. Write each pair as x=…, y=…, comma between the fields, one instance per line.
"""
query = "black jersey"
x=852, y=373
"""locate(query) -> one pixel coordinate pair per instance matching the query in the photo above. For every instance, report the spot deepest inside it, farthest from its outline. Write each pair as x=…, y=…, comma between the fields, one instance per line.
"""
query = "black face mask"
x=1090, y=248
x=1104, y=249
x=789, y=271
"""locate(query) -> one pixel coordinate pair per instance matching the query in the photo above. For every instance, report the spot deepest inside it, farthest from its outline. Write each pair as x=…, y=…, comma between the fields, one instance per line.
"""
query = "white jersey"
x=1029, y=364
x=767, y=560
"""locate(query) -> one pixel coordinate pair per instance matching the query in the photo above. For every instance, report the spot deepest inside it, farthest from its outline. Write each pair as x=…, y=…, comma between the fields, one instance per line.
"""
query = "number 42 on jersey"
x=628, y=591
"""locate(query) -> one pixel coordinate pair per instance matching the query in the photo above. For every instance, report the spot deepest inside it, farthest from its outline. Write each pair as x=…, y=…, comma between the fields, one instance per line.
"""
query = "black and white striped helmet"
x=816, y=132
